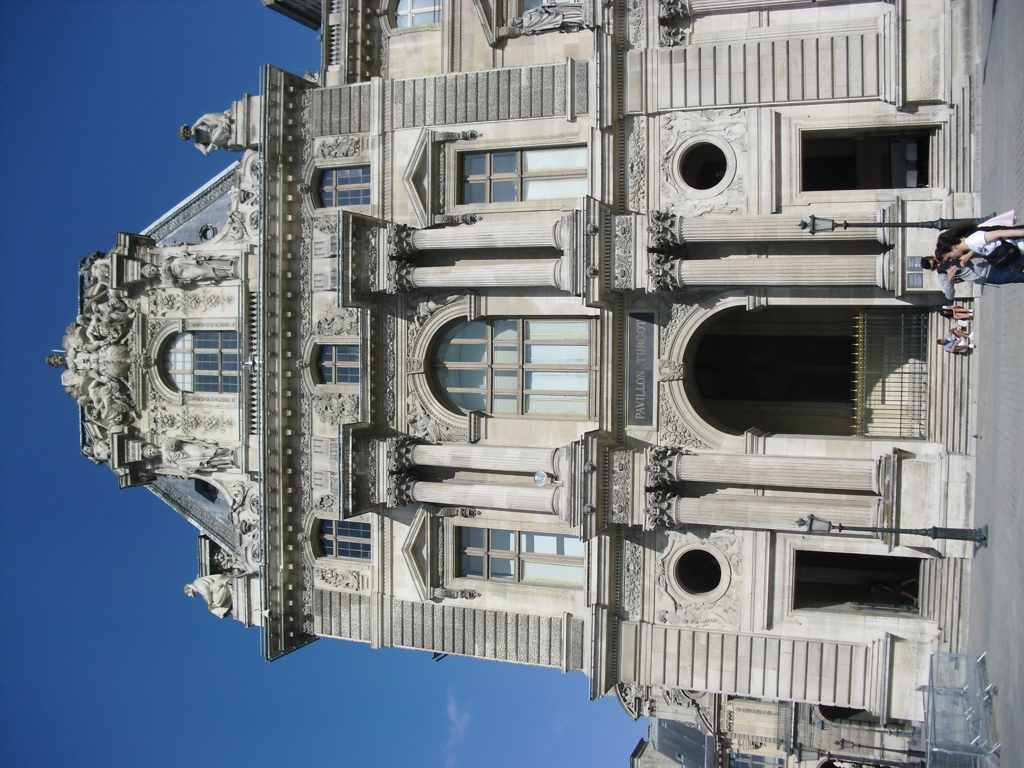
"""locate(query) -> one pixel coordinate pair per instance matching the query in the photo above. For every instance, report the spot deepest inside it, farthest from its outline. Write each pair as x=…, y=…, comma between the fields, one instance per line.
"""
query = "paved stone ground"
x=997, y=581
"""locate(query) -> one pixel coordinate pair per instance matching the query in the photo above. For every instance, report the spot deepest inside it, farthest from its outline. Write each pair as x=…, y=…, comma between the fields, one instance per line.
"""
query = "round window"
x=703, y=165
x=698, y=571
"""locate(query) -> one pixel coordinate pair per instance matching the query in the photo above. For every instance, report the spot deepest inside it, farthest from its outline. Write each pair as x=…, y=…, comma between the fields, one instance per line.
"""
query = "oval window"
x=698, y=571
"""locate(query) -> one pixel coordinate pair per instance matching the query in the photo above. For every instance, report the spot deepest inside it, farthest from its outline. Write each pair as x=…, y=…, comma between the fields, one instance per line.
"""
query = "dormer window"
x=342, y=538
x=340, y=187
x=203, y=361
x=416, y=13
x=338, y=364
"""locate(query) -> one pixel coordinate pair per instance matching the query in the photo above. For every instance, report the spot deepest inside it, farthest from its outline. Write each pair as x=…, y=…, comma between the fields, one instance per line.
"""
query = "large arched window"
x=341, y=538
x=415, y=13
x=203, y=361
x=517, y=367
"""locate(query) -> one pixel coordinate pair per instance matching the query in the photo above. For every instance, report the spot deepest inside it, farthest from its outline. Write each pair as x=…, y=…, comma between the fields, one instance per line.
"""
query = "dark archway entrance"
x=783, y=369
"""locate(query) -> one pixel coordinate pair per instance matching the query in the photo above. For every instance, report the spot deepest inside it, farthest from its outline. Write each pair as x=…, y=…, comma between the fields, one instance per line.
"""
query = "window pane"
x=559, y=354
x=403, y=21
x=471, y=565
x=506, y=355
x=503, y=162
x=506, y=380
x=473, y=330
x=551, y=544
x=505, y=330
x=556, y=404
x=565, y=574
x=471, y=537
x=557, y=329
x=229, y=340
x=474, y=164
x=229, y=362
x=469, y=401
x=505, y=191
x=182, y=341
x=550, y=159
x=552, y=189
x=346, y=375
x=503, y=540
x=503, y=568
x=355, y=530
x=475, y=192
x=504, y=404
x=462, y=353
x=347, y=353
x=558, y=381
x=463, y=379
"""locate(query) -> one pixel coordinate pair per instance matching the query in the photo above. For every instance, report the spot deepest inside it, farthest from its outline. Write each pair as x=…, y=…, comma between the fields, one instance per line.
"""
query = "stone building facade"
x=502, y=338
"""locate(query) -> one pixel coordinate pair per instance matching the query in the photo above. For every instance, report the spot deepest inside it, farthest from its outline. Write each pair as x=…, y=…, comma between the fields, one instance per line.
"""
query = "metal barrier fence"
x=890, y=380
x=959, y=722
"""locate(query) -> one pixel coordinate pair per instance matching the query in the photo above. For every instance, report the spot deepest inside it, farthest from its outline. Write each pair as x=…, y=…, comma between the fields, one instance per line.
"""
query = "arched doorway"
x=782, y=369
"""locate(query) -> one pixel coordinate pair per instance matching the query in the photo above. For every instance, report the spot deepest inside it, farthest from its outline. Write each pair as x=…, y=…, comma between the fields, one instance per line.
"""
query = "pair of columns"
x=747, y=510
x=668, y=234
x=547, y=499
x=499, y=273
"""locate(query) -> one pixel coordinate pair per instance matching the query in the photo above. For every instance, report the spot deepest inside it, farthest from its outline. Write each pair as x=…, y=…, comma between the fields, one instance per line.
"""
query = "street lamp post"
x=978, y=535
x=819, y=224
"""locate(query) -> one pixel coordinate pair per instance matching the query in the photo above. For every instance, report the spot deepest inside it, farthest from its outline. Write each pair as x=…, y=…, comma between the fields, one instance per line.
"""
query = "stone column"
x=516, y=498
x=486, y=457
x=515, y=235
x=778, y=513
x=756, y=229
x=496, y=274
x=723, y=6
x=777, y=471
x=861, y=269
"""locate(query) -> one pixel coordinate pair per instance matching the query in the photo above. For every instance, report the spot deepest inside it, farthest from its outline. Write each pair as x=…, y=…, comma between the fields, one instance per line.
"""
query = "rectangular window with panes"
x=515, y=175
x=549, y=559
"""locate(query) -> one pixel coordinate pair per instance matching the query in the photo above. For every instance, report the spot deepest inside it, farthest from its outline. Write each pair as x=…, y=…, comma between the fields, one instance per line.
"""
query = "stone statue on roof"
x=211, y=131
x=216, y=590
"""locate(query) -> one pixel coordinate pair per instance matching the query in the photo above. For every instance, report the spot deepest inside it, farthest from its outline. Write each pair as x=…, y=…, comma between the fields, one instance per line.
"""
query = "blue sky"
x=103, y=660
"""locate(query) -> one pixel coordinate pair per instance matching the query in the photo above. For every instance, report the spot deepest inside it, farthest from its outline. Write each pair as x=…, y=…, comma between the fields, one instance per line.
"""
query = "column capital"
x=399, y=489
x=659, y=509
x=661, y=463
x=399, y=240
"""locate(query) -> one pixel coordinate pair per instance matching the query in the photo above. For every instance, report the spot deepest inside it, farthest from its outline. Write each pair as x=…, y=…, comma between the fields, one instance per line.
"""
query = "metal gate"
x=890, y=380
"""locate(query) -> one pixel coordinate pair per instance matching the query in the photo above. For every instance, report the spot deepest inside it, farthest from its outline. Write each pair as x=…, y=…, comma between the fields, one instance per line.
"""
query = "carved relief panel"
x=699, y=580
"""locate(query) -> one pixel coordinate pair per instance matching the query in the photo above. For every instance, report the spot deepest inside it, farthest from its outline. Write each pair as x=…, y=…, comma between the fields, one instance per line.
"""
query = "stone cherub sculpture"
x=211, y=131
x=216, y=590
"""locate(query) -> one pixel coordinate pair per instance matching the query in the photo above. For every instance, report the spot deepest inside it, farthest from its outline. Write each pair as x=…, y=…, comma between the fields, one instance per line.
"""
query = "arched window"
x=517, y=367
x=203, y=361
x=344, y=186
x=415, y=13
x=341, y=538
x=338, y=364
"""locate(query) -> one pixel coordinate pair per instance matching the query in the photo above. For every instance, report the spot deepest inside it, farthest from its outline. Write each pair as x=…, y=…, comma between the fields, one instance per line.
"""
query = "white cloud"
x=458, y=719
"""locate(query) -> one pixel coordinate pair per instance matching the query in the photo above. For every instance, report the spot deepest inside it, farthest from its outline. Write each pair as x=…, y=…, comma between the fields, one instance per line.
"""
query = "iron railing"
x=890, y=380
